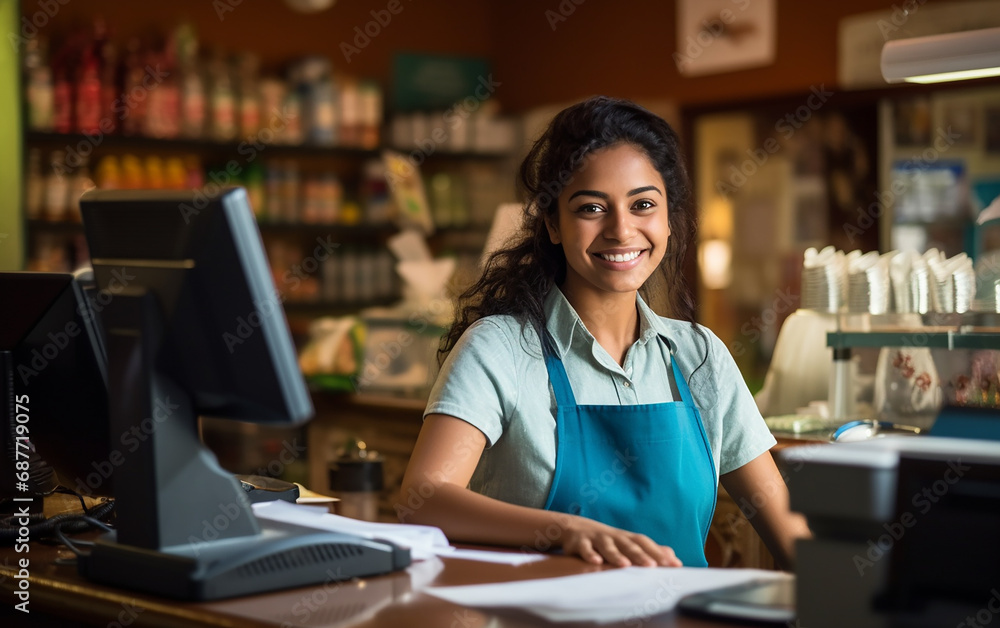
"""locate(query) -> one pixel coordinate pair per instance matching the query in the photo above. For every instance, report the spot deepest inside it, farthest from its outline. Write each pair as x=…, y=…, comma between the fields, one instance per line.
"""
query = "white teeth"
x=621, y=258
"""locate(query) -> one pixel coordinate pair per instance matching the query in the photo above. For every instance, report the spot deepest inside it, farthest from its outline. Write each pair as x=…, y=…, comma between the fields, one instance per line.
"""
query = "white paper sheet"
x=632, y=594
x=487, y=556
x=423, y=541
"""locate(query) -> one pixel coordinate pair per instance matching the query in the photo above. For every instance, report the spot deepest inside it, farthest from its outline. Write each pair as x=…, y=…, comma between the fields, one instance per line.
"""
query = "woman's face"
x=612, y=222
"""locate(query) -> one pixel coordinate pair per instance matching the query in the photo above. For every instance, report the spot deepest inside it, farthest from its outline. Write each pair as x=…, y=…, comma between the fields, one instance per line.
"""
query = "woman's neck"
x=612, y=318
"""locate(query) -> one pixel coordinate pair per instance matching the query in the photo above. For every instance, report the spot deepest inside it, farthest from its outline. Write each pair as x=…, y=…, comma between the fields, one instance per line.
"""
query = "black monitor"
x=53, y=387
x=194, y=327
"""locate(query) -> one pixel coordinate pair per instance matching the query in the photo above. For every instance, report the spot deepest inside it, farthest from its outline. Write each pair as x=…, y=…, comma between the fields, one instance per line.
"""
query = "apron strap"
x=682, y=386
x=557, y=373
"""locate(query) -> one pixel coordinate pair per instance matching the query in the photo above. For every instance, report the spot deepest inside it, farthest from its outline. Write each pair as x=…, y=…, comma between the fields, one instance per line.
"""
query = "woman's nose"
x=620, y=225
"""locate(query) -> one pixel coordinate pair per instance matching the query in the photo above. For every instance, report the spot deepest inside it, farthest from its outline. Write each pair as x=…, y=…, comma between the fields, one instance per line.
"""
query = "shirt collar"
x=563, y=322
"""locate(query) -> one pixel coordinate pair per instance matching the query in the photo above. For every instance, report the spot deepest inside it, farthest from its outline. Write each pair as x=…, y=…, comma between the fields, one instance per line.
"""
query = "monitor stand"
x=185, y=528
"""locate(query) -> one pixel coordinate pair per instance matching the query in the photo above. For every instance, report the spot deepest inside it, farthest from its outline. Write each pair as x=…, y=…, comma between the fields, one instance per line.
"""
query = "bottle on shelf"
x=375, y=194
x=319, y=99
x=56, y=187
x=133, y=174
x=38, y=86
x=134, y=97
x=110, y=88
x=87, y=81
x=249, y=95
x=174, y=174
x=221, y=101
x=34, y=188
x=109, y=174
x=79, y=183
x=153, y=174
x=271, y=92
x=195, y=173
x=253, y=179
x=62, y=100
x=163, y=99
x=370, y=102
x=349, y=127
x=191, y=83
x=291, y=192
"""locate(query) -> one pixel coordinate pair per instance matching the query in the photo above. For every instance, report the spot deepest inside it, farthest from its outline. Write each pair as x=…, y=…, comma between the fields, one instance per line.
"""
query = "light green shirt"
x=495, y=378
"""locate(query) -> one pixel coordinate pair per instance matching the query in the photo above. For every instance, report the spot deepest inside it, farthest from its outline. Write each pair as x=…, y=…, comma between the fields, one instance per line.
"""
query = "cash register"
x=906, y=529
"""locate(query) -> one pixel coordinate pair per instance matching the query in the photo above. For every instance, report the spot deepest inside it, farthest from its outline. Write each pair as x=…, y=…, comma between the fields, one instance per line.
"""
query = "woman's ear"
x=552, y=226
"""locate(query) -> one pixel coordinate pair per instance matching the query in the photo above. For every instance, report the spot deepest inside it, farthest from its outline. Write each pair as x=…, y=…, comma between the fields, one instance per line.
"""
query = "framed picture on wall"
x=715, y=36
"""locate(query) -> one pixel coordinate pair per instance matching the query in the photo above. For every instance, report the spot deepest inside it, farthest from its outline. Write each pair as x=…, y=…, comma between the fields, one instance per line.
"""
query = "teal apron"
x=644, y=468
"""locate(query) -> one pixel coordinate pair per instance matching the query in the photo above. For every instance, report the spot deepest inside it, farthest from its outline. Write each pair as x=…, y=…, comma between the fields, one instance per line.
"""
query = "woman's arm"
x=759, y=490
x=434, y=493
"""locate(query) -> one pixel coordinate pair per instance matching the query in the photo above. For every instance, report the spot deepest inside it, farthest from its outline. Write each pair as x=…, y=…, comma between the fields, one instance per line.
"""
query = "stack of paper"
x=632, y=594
x=423, y=541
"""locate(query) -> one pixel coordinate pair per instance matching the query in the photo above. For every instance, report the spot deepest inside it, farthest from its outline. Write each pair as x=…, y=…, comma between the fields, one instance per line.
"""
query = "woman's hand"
x=598, y=543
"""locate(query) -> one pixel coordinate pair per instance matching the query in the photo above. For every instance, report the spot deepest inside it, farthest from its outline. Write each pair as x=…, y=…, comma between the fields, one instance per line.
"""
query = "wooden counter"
x=59, y=597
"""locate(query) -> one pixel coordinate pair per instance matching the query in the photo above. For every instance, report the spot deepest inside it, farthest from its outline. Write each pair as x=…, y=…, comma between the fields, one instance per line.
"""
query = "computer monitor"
x=53, y=387
x=194, y=327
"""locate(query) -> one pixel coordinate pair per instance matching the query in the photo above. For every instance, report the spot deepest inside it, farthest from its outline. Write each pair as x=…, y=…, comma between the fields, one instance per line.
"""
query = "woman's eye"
x=644, y=205
x=589, y=209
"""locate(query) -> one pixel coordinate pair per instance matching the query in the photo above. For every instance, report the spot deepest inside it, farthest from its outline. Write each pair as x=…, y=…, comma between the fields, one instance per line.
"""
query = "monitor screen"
x=193, y=327
x=54, y=384
x=226, y=340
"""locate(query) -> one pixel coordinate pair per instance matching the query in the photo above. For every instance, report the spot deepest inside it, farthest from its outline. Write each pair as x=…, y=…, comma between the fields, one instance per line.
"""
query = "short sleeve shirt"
x=495, y=379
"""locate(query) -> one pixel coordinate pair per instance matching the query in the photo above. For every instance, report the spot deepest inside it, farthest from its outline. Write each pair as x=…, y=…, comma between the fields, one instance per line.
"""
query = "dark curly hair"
x=516, y=278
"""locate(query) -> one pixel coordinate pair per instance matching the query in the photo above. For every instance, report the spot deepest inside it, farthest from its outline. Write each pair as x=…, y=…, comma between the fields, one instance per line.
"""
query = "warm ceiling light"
x=938, y=58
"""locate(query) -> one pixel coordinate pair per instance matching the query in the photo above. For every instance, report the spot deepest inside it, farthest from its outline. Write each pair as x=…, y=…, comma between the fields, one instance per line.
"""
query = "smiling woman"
x=567, y=412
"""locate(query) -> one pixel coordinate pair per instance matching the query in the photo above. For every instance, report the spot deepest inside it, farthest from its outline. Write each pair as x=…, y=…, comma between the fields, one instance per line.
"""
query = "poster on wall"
x=715, y=36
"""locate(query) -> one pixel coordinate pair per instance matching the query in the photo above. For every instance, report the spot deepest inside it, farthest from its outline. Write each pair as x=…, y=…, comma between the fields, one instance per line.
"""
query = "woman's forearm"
x=466, y=516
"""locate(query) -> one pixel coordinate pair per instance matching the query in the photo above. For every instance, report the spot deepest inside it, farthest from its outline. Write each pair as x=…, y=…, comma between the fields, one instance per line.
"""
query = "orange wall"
x=615, y=47
x=625, y=49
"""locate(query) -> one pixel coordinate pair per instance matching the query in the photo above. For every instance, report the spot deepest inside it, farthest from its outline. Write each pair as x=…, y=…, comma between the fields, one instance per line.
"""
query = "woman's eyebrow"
x=603, y=195
x=645, y=189
x=588, y=193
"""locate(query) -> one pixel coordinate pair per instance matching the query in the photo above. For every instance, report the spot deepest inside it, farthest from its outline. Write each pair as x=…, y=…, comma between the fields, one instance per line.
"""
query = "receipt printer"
x=906, y=532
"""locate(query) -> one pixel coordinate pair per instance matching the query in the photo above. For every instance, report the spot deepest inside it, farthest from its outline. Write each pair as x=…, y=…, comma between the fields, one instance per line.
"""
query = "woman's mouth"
x=623, y=260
